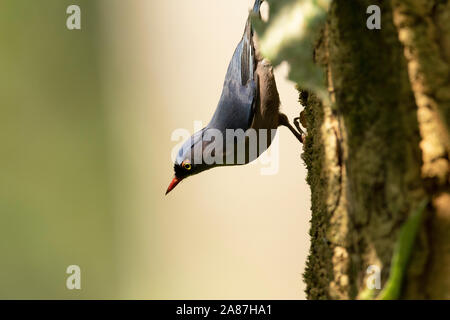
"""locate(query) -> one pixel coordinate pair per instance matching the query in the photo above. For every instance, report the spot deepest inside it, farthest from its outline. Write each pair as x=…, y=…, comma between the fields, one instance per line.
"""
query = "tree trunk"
x=380, y=147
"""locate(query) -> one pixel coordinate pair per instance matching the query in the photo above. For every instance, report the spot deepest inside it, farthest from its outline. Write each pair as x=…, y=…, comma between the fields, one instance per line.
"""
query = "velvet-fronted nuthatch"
x=249, y=104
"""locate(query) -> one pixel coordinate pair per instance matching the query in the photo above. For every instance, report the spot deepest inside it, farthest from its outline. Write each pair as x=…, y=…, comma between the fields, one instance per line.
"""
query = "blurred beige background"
x=226, y=233
x=88, y=117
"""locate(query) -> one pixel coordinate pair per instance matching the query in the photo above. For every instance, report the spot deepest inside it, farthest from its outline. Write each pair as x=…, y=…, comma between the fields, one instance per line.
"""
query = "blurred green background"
x=55, y=198
x=86, y=118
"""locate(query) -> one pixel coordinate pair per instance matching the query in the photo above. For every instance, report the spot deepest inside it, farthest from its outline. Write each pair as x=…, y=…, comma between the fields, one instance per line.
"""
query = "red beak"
x=173, y=184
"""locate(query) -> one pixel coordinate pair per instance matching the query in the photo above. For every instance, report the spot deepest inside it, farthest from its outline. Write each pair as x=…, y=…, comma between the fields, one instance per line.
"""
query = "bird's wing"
x=236, y=106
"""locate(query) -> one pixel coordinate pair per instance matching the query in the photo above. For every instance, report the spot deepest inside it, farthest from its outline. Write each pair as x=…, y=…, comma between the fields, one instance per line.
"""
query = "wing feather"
x=236, y=106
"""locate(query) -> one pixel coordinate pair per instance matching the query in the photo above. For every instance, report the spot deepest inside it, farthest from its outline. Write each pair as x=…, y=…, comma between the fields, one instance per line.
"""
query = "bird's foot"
x=299, y=128
x=284, y=121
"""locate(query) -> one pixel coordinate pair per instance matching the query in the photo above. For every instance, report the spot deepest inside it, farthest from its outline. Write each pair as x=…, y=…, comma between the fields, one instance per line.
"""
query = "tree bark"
x=380, y=147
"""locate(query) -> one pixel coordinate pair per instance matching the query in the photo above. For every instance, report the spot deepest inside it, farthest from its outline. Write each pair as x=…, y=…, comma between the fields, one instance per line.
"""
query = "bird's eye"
x=187, y=166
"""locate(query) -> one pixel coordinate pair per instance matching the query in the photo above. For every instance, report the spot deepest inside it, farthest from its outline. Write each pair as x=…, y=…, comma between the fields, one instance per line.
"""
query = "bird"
x=249, y=103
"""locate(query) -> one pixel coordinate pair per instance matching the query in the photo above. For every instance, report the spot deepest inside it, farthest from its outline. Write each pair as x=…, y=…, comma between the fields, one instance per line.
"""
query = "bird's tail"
x=257, y=5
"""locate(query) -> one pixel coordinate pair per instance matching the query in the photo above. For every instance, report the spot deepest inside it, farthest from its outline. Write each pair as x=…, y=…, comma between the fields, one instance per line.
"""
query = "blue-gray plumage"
x=249, y=101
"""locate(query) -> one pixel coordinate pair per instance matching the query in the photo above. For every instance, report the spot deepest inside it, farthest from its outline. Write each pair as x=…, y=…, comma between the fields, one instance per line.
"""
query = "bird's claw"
x=297, y=125
x=299, y=128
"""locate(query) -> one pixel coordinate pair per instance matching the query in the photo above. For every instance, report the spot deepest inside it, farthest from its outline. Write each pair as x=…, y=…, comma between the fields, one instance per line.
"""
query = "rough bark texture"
x=380, y=148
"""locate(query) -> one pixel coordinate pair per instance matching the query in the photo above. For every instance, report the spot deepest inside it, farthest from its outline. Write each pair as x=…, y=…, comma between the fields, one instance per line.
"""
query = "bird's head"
x=182, y=171
x=189, y=160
